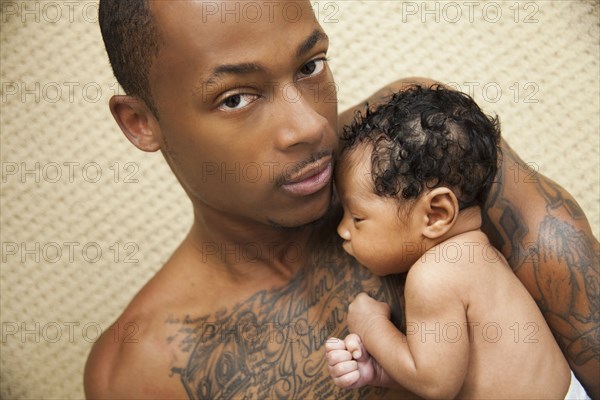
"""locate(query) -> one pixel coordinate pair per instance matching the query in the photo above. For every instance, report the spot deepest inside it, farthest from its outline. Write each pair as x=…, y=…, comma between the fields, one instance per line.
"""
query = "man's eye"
x=237, y=101
x=313, y=67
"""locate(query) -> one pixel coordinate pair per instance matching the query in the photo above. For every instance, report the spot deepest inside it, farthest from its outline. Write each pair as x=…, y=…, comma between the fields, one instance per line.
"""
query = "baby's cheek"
x=347, y=246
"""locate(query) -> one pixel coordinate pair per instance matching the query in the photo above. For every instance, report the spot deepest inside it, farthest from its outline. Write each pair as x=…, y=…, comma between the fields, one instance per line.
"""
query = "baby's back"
x=512, y=351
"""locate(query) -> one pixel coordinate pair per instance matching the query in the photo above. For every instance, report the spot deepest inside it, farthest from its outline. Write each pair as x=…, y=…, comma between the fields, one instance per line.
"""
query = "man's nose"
x=299, y=123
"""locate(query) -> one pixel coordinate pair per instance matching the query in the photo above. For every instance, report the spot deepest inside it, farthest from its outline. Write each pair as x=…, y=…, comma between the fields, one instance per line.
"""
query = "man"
x=244, y=305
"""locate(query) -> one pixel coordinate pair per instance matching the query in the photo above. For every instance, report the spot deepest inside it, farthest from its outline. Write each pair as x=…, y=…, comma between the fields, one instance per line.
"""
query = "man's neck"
x=245, y=248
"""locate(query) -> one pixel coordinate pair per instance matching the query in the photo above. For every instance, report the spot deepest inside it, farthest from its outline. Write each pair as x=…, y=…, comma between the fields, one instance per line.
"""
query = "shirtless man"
x=245, y=304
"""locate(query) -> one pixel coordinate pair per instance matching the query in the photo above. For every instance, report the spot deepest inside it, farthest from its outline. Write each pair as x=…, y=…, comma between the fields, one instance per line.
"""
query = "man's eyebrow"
x=315, y=37
x=241, y=68
x=233, y=69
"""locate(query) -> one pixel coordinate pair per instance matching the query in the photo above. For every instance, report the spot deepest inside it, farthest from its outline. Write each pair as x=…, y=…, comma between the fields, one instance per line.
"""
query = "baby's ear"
x=441, y=207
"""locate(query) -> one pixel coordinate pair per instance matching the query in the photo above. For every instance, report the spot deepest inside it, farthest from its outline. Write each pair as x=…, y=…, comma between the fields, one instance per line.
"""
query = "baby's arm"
x=432, y=359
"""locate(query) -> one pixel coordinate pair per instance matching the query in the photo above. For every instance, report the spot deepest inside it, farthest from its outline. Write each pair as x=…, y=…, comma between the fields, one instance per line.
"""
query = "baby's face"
x=371, y=227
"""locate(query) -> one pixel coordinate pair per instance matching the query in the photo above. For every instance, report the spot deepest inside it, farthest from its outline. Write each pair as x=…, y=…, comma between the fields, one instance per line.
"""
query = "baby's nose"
x=343, y=231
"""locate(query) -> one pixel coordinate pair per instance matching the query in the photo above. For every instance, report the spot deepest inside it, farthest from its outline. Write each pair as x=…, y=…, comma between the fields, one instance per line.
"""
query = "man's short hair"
x=132, y=42
x=426, y=138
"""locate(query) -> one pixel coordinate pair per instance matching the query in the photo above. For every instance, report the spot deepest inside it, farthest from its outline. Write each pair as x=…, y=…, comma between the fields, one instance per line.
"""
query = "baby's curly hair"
x=427, y=138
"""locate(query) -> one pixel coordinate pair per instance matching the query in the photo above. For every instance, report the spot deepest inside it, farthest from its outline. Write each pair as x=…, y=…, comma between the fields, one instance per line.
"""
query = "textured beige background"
x=535, y=63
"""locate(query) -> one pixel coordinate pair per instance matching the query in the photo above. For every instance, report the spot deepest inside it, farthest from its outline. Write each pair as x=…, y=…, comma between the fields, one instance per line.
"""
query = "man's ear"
x=442, y=209
x=136, y=121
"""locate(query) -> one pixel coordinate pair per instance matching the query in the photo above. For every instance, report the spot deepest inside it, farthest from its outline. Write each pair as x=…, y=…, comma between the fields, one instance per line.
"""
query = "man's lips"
x=311, y=178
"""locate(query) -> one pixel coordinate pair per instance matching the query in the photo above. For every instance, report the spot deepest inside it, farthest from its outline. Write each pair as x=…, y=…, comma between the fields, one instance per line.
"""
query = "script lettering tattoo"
x=271, y=345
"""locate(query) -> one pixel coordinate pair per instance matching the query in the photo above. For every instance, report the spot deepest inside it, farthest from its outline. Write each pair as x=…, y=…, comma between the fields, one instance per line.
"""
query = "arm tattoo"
x=569, y=296
x=555, y=199
x=563, y=259
x=510, y=238
x=271, y=345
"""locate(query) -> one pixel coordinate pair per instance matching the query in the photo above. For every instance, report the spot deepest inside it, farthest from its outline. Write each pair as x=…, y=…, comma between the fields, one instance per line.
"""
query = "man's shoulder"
x=133, y=357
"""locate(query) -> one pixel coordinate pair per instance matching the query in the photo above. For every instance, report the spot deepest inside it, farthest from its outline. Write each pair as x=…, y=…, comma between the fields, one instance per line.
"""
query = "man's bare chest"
x=271, y=344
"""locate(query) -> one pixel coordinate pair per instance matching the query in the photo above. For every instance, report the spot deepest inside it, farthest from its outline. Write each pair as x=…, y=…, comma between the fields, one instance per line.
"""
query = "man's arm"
x=548, y=242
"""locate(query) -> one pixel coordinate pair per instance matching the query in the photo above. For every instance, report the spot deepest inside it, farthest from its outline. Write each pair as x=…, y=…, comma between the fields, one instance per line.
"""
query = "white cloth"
x=576, y=391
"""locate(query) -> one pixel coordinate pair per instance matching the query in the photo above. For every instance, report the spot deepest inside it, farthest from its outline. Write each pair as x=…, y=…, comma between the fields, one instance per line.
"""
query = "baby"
x=412, y=176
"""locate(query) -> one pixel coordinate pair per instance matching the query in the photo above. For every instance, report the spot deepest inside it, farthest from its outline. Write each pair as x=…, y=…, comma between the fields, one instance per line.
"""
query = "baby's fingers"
x=337, y=356
x=355, y=347
x=334, y=344
x=345, y=373
x=347, y=381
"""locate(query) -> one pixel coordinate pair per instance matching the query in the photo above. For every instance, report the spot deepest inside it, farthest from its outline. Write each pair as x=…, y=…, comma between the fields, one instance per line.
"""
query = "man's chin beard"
x=293, y=228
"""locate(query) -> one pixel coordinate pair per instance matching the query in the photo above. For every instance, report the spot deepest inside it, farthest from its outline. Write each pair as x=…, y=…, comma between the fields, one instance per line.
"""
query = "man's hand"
x=349, y=363
x=363, y=311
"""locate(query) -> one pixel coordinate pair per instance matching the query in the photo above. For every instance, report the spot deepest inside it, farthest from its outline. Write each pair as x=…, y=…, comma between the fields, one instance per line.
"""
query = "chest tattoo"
x=271, y=345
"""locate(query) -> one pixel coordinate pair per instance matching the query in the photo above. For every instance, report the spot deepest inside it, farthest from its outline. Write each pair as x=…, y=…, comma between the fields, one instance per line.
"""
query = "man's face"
x=247, y=107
